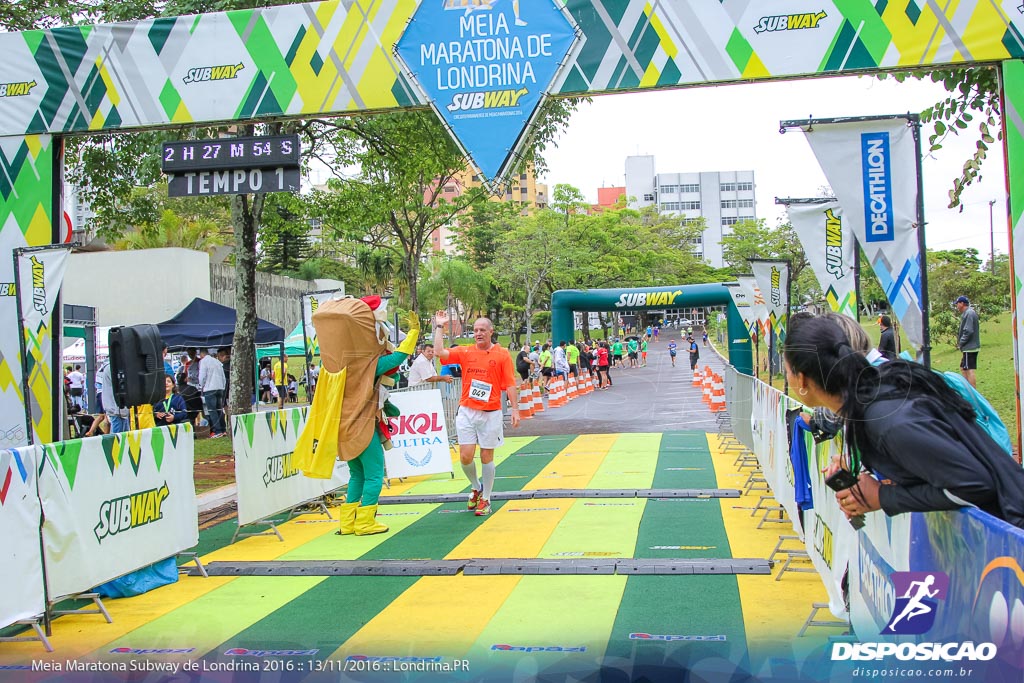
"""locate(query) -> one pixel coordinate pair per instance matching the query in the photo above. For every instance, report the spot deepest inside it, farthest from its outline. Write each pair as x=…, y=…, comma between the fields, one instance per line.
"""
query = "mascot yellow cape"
x=347, y=418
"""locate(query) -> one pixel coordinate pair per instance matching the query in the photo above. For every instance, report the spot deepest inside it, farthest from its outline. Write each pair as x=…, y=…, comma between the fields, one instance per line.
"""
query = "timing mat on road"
x=488, y=618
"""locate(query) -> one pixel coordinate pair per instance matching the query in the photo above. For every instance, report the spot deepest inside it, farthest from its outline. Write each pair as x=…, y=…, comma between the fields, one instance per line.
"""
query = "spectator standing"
x=547, y=366
x=192, y=367
x=192, y=398
x=887, y=341
x=168, y=368
x=603, y=359
x=524, y=366
x=423, y=370
x=76, y=387
x=211, y=384
x=281, y=379
x=224, y=356
x=968, y=339
x=617, y=353
x=694, y=354
x=118, y=417
x=560, y=361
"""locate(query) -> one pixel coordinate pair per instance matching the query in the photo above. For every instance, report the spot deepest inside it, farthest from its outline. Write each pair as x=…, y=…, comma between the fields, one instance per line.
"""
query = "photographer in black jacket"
x=904, y=423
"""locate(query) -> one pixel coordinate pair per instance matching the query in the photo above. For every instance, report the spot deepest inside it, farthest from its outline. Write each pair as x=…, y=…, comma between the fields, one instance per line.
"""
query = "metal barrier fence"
x=739, y=399
x=450, y=394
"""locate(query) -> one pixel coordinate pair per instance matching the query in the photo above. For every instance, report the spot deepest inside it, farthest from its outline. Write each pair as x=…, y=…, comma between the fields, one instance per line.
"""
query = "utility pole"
x=991, y=236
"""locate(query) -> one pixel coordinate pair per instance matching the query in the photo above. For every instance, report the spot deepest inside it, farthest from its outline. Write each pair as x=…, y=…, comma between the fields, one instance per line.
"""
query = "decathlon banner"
x=21, y=572
x=419, y=435
x=267, y=481
x=872, y=167
x=773, y=279
x=771, y=446
x=116, y=503
x=830, y=249
x=40, y=273
x=758, y=310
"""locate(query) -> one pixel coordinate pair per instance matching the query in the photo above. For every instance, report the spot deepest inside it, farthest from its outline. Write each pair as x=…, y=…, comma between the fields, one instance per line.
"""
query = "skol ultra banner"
x=773, y=279
x=40, y=275
x=116, y=503
x=830, y=248
x=267, y=481
x=21, y=571
x=872, y=168
x=758, y=310
x=419, y=435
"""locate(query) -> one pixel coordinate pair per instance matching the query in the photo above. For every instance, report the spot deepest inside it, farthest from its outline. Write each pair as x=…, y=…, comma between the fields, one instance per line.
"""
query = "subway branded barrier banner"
x=21, y=572
x=267, y=480
x=758, y=309
x=26, y=200
x=773, y=279
x=771, y=446
x=743, y=299
x=872, y=167
x=116, y=503
x=830, y=249
x=419, y=435
x=40, y=276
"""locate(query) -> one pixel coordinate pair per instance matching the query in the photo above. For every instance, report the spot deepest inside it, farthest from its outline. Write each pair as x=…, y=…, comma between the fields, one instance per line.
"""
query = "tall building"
x=722, y=198
x=607, y=197
x=523, y=189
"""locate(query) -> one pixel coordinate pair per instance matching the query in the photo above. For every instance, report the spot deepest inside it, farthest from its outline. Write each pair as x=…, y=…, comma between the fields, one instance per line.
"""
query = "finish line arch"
x=565, y=302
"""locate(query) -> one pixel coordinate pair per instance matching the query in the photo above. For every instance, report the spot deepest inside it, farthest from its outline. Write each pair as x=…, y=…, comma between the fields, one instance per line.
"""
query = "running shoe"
x=473, y=500
x=483, y=508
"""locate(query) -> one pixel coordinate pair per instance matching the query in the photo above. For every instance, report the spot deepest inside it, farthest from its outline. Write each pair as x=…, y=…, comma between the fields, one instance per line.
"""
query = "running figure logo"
x=919, y=594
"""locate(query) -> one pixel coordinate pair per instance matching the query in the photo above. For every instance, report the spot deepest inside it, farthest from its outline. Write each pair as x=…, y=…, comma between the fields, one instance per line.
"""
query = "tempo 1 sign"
x=233, y=181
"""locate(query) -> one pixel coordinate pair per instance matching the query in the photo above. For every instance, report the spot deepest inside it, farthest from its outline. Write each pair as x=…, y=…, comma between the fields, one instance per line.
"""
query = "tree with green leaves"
x=452, y=284
x=753, y=239
x=284, y=234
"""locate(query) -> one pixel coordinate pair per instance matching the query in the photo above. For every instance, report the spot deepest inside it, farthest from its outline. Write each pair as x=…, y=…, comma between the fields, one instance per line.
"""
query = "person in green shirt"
x=617, y=353
x=643, y=353
x=633, y=348
x=547, y=366
x=572, y=355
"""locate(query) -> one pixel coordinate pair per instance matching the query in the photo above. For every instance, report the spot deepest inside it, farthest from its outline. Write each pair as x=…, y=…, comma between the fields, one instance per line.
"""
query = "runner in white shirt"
x=76, y=387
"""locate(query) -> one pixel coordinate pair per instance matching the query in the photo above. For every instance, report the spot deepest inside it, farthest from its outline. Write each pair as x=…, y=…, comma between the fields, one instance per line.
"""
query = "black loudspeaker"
x=136, y=365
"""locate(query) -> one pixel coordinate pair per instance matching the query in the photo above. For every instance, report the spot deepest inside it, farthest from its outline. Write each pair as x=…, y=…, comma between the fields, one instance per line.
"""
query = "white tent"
x=75, y=353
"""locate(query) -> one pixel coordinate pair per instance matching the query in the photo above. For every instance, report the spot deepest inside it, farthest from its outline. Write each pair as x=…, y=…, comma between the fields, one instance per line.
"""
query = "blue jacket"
x=174, y=405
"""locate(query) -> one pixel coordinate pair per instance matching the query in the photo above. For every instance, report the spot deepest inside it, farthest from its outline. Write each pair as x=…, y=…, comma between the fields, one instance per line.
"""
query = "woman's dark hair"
x=820, y=349
x=174, y=385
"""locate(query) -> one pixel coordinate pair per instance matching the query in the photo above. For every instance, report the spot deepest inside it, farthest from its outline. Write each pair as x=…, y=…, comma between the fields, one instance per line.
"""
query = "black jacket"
x=937, y=458
x=887, y=344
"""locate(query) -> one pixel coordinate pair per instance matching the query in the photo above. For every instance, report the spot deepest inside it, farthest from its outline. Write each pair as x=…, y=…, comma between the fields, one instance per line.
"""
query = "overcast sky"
x=736, y=127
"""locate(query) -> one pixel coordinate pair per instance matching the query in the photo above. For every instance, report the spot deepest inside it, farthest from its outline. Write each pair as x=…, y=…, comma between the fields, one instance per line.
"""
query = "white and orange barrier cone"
x=538, y=400
x=525, y=400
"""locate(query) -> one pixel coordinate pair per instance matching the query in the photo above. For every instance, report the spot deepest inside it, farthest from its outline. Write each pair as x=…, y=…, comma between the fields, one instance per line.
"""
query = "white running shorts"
x=485, y=428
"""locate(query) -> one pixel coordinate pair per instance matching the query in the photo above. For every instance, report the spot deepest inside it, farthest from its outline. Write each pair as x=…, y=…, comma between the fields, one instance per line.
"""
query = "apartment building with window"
x=722, y=198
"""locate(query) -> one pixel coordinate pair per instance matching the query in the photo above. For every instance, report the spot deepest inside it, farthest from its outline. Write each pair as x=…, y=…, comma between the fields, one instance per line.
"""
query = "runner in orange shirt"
x=486, y=372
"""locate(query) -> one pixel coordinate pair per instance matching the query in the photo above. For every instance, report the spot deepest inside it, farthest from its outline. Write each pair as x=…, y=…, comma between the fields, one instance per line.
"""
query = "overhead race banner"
x=21, y=572
x=116, y=503
x=40, y=275
x=872, y=167
x=831, y=251
x=758, y=309
x=419, y=435
x=267, y=480
x=485, y=66
x=773, y=279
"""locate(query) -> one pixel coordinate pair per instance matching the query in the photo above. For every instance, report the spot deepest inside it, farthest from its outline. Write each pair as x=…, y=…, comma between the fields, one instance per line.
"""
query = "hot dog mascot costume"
x=348, y=418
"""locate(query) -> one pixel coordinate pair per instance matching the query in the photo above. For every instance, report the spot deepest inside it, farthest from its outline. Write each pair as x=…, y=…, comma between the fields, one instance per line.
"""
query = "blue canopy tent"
x=204, y=324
